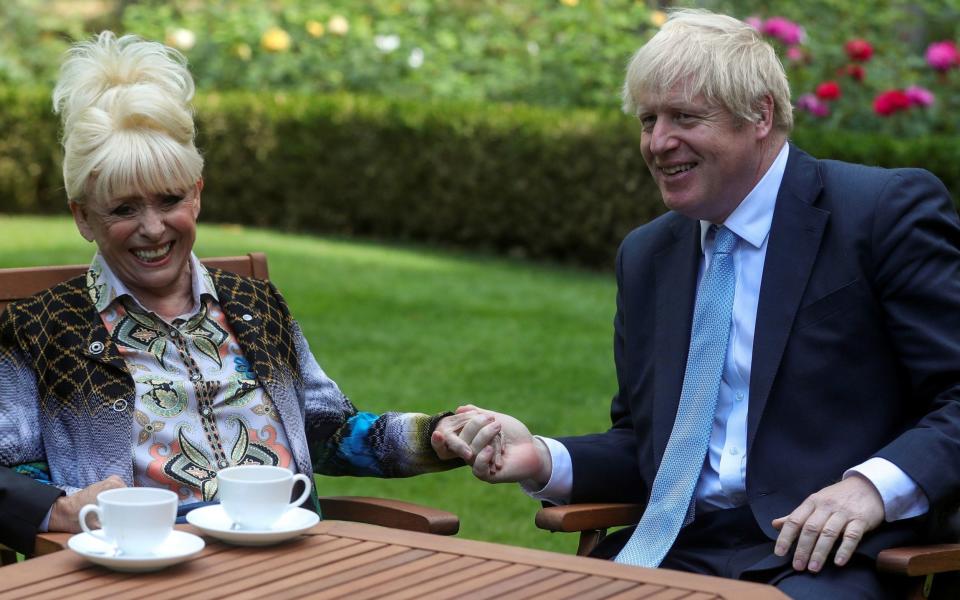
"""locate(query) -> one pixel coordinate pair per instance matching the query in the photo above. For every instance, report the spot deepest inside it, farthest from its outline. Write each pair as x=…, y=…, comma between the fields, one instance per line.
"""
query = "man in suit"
x=788, y=404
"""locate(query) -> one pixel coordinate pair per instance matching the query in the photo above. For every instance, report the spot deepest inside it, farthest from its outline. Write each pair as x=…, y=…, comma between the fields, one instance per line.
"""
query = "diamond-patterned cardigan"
x=66, y=395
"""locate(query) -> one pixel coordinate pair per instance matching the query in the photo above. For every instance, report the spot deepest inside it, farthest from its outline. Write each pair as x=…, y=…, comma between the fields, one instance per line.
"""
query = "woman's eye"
x=171, y=199
x=648, y=121
x=124, y=210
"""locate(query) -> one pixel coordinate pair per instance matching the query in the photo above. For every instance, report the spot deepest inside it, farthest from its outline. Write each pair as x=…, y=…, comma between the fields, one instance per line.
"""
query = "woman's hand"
x=66, y=510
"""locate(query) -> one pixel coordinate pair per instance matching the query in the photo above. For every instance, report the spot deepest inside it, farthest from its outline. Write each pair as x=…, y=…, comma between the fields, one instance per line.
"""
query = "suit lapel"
x=795, y=236
x=676, y=283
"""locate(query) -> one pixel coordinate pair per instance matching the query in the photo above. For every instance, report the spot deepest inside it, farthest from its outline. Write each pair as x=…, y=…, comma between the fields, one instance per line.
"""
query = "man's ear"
x=80, y=218
x=764, y=124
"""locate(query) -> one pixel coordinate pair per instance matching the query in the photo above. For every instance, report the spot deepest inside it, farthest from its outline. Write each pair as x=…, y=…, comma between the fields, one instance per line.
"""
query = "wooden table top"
x=341, y=559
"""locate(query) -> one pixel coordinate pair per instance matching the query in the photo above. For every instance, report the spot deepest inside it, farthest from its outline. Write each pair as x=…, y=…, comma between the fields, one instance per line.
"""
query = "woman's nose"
x=151, y=223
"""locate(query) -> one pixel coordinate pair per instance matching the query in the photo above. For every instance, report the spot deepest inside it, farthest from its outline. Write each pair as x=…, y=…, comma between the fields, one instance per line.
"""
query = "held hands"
x=845, y=510
x=499, y=447
x=64, y=515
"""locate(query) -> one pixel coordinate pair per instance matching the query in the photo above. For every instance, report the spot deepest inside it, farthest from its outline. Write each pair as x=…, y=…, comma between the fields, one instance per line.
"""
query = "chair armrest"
x=920, y=560
x=48, y=543
x=389, y=513
x=586, y=517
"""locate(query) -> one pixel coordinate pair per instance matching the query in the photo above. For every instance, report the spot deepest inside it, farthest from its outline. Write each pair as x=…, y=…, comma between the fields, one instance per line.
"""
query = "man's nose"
x=662, y=137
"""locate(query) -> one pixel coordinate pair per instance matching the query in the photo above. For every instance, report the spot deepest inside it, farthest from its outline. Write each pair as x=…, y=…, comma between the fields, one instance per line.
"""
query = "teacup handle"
x=306, y=489
x=86, y=510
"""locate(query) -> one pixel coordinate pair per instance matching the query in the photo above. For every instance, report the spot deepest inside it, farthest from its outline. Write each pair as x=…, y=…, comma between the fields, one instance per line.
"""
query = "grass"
x=411, y=329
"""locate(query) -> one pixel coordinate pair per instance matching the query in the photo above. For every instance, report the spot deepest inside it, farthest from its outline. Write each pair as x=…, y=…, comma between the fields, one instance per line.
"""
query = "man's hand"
x=499, y=447
x=846, y=510
x=66, y=510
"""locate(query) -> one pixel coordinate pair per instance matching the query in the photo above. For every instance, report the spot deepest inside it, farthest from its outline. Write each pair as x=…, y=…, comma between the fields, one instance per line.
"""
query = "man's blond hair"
x=722, y=58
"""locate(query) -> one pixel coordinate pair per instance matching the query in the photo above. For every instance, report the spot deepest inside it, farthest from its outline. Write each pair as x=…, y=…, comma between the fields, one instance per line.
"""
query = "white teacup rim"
x=160, y=496
x=235, y=473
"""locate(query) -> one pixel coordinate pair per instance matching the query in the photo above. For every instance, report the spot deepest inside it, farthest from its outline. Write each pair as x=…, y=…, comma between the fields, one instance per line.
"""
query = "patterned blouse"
x=198, y=407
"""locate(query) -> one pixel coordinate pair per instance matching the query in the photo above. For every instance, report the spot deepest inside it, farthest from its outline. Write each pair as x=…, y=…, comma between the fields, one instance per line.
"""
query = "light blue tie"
x=670, y=506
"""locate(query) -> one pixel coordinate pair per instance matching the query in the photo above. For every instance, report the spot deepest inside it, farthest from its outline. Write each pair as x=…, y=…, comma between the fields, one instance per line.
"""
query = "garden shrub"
x=541, y=183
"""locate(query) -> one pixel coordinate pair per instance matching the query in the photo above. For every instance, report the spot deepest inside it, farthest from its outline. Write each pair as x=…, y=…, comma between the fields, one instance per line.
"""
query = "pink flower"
x=813, y=105
x=828, y=90
x=919, y=96
x=890, y=102
x=784, y=30
x=942, y=56
x=858, y=50
x=796, y=54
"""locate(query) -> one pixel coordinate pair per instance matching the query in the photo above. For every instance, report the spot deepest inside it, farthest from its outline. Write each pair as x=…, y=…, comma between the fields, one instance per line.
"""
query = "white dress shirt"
x=722, y=482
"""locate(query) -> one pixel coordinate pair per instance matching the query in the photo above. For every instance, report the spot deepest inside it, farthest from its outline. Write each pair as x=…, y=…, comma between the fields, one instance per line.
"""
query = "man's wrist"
x=546, y=462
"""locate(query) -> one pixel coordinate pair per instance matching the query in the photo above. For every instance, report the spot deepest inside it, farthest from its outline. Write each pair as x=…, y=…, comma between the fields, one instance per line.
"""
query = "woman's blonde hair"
x=127, y=120
x=722, y=58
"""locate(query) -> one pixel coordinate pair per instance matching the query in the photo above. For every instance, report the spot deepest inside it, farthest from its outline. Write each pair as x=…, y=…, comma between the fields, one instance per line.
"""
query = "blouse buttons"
x=247, y=317
x=120, y=405
x=96, y=347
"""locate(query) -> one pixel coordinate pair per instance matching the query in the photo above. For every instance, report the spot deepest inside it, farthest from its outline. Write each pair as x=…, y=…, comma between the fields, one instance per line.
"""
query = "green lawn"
x=409, y=329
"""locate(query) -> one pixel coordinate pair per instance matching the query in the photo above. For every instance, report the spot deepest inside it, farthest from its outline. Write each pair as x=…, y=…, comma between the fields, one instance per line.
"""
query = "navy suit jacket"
x=856, y=349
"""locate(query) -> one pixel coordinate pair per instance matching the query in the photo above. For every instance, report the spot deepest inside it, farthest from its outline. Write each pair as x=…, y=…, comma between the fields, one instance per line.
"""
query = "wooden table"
x=341, y=559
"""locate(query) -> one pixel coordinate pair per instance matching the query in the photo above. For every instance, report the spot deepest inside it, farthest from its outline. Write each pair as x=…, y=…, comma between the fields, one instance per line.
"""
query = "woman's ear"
x=80, y=218
x=196, y=202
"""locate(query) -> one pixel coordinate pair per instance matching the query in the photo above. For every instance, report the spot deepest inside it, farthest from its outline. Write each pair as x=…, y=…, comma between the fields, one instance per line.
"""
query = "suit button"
x=120, y=405
x=96, y=347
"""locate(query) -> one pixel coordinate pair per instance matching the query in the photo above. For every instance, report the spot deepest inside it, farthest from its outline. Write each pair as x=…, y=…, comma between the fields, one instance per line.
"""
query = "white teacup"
x=134, y=520
x=256, y=496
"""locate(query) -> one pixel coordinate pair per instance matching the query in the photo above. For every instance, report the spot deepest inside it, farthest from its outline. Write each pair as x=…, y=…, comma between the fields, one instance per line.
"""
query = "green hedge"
x=531, y=182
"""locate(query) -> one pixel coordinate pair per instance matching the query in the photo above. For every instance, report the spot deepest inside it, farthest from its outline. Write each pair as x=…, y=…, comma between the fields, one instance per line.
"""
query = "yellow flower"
x=243, y=51
x=338, y=25
x=658, y=18
x=569, y=2
x=315, y=28
x=275, y=40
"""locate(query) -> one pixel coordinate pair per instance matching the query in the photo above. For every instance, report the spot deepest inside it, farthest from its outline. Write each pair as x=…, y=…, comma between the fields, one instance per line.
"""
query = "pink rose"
x=942, y=56
x=784, y=30
x=813, y=105
x=919, y=96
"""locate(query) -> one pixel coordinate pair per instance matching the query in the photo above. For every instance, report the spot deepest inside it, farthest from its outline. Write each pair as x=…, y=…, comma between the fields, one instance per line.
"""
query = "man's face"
x=703, y=160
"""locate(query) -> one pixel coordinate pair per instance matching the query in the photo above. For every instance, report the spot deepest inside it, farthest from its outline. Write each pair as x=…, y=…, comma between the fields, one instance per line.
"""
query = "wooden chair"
x=23, y=282
x=592, y=521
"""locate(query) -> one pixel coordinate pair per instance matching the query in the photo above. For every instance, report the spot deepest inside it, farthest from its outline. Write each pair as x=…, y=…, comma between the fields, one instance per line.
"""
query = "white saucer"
x=213, y=520
x=178, y=547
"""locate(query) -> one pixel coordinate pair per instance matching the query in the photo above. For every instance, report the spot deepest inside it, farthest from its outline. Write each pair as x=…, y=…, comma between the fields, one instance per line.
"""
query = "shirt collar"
x=104, y=287
x=752, y=218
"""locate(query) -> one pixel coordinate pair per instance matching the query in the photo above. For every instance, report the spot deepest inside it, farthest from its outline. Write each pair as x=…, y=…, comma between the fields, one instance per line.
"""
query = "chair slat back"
x=23, y=282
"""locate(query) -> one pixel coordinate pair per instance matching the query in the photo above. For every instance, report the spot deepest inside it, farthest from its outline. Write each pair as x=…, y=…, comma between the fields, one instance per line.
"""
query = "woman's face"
x=146, y=241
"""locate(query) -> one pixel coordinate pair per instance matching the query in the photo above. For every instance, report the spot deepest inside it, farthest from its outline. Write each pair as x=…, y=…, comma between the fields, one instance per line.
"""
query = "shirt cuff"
x=45, y=524
x=557, y=490
x=902, y=497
